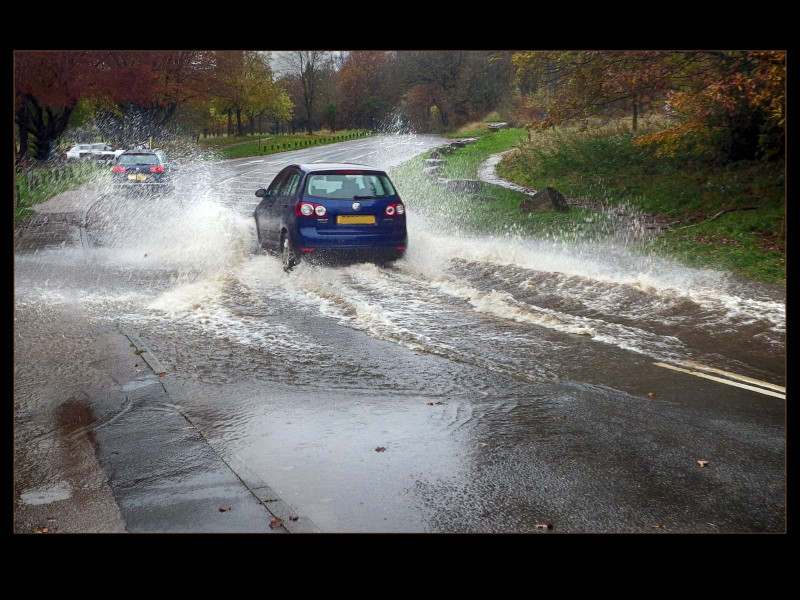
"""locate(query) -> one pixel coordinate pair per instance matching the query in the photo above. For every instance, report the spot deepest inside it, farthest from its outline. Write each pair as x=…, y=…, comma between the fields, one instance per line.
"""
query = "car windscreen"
x=347, y=186
x=138, y=159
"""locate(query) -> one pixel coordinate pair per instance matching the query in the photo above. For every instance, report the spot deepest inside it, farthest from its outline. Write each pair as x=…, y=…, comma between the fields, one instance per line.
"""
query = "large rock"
x=457, y=144
x=546, y=200
x=434, y=162
x=497, y=126
x=432, y=171
x=445, y=150
x=464, y=186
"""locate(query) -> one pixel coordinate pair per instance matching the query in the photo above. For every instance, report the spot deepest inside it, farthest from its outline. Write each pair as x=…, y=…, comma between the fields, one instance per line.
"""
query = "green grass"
x=80, y=172
x=244, y=146
x=463, y=163
x=606, y=167
x=497, y=212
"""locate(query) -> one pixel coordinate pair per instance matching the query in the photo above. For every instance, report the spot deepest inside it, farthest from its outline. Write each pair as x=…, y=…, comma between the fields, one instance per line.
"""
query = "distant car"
x=100, y=152
x=79, y=151
x=104, y=152
x=142, y=169
x=331, y=210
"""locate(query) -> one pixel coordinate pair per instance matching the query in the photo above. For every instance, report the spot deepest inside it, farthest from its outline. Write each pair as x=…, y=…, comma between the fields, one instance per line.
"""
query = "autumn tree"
x=438, y=73
x=364, y=88
x=47, y=88
x=728, y=103
x=141, y=90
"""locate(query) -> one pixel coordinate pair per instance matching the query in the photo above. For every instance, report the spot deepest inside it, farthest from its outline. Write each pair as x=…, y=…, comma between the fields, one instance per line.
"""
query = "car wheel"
x=288, y=254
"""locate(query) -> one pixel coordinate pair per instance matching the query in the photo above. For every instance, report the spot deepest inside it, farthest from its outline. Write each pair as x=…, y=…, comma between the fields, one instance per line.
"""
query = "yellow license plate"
x=355, y=219
x=137, y=177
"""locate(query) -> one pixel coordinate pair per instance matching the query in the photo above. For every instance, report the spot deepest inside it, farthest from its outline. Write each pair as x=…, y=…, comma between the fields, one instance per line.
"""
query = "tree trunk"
x=230, y=121
x=635, y=113
x=22, y=121
x=239, y=130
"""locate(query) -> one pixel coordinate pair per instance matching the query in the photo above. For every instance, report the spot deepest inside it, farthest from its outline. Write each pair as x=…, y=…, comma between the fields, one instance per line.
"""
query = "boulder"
x=457, y=144
x=497, y=126
x=548, y=199
x=432, y=171
x=445, y=150
x=434, y=162
x=464, y=186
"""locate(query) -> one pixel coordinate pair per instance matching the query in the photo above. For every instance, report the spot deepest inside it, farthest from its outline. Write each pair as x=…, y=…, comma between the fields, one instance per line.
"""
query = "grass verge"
x=496, y=212
x=51, y=182
x=731, y=218
x=244, y=146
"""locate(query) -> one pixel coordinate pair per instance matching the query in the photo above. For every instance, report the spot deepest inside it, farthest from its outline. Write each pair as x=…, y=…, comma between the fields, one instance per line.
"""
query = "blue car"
x=325, y=212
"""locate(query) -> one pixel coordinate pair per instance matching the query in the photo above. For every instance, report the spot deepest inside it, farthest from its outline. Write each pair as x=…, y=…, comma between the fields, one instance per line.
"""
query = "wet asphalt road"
x=483, y=384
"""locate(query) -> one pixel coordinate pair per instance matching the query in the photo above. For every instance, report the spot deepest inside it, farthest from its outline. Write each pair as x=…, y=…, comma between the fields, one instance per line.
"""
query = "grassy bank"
x=244, y=146
x=37, y=185
x=731, y=217
x=497, y=211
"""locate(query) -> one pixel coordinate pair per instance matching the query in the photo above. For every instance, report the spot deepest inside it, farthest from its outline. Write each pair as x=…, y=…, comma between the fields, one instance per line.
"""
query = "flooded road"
x=492, y=383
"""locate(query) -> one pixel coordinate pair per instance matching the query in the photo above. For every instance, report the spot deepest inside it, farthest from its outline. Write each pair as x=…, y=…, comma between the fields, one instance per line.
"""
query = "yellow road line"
x=703, y=367
x=725, y=381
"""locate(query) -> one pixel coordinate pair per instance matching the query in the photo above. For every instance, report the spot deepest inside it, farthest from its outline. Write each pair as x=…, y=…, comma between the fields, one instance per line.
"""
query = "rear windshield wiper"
x=364, y=197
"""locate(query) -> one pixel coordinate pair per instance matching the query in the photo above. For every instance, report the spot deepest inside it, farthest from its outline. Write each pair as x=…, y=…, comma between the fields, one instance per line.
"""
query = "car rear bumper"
x=349, y=255
x=309, y=237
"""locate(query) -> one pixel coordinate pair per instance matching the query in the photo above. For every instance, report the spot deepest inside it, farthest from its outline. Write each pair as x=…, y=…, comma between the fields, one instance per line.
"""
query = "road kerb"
x=291, y=521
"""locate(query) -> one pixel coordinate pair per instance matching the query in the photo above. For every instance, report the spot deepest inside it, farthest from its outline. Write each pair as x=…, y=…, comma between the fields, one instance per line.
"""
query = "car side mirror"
x=261, y=193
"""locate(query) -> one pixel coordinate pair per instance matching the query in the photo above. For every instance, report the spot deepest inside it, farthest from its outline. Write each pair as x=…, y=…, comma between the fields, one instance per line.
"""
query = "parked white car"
x=102, y=152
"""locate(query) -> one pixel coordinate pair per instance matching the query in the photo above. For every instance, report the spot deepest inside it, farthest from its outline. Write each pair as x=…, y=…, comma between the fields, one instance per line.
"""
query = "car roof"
x=314, y=167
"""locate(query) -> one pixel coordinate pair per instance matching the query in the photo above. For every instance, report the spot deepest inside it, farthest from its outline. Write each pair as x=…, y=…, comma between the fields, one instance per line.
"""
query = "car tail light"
x=158, y=169
x=118, y=169
x=307, y=209
x=395, y=209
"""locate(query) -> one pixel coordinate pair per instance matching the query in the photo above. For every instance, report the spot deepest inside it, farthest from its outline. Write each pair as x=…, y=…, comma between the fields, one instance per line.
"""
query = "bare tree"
x=307, y=67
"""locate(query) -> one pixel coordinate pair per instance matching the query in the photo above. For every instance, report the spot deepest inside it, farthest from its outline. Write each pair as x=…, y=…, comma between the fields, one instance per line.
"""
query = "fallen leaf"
x=544, y=526
x=484, y=444
x=658, y=527
x=703, y=463
x=275, y=523
x=42, y=530
x=294, y=518
x=434, y=403
x=652, y=395
x=162, y=374
x=380, y=449
x=224, y=509
x=600, y=362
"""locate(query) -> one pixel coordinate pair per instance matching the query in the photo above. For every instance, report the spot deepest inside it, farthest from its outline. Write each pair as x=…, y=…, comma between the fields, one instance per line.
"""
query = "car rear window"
x=138, y=159
x=346, y=186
